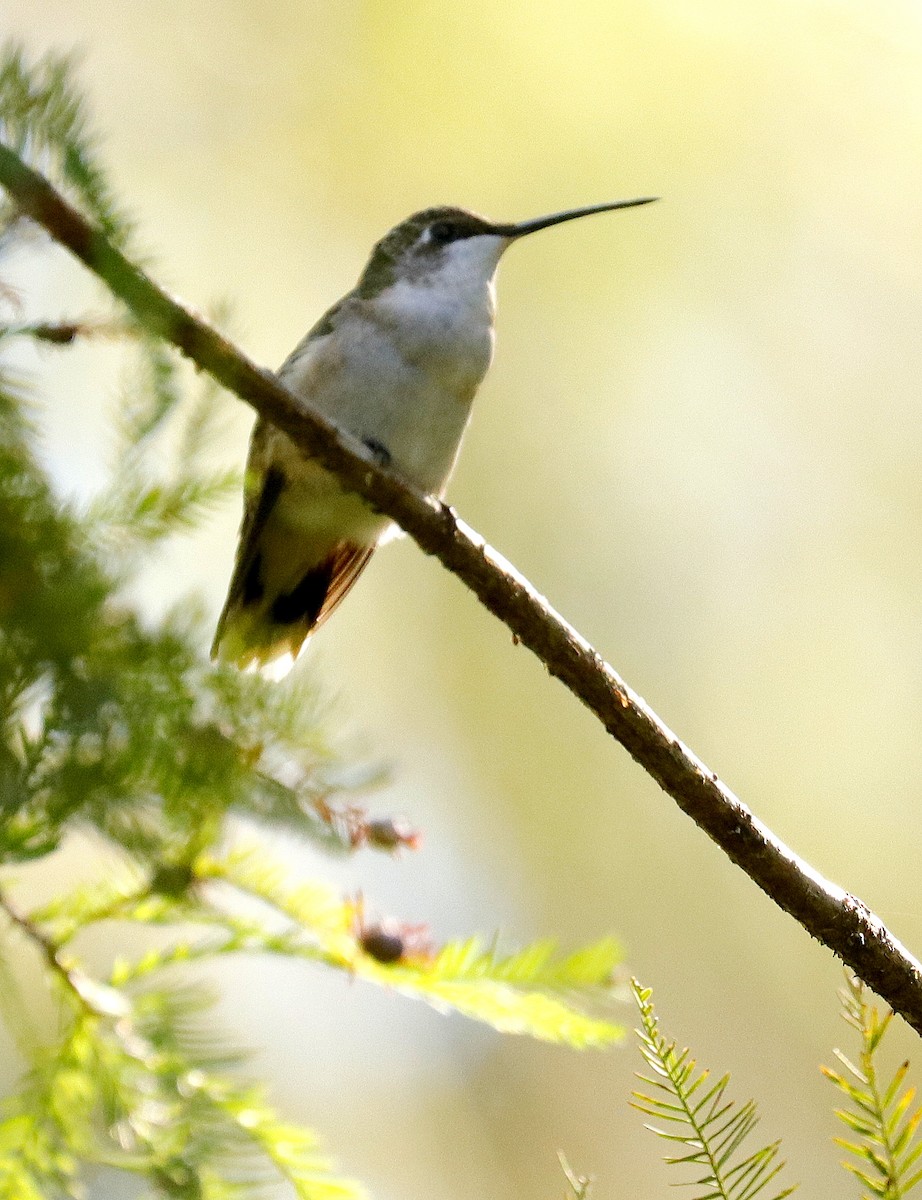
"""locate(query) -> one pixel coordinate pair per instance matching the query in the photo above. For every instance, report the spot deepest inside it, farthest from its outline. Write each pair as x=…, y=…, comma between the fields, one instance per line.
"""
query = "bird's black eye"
x=444, y=231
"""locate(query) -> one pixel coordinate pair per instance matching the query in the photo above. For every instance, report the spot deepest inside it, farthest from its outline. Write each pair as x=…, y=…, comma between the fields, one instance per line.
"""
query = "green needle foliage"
x=880, y=1113
x=145, y=1090
x=42, y=118
x=530, y=992
x=114, y=729
x=707, y=1127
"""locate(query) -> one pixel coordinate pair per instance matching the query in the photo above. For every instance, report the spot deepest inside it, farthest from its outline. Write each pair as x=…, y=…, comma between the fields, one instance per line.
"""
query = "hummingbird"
x=396, y=362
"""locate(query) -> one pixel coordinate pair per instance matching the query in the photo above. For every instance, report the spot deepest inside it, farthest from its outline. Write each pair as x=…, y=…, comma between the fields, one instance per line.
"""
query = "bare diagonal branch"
x=840, y=921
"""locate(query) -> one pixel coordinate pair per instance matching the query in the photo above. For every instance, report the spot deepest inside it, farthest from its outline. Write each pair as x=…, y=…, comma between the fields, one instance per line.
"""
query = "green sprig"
x=880, y=1111
x=43, y=118
x=700, y=1119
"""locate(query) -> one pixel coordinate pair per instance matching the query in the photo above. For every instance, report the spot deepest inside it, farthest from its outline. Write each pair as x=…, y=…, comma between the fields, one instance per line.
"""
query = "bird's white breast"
x=401, y=369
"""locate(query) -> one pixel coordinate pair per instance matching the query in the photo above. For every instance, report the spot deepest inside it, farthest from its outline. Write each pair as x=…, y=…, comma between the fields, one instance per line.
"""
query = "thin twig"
x=65, y=333
x=91, y=996
x=840, y=921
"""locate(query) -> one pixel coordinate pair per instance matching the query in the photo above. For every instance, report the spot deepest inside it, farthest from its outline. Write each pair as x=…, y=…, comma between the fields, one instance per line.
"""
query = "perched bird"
x=396, y=362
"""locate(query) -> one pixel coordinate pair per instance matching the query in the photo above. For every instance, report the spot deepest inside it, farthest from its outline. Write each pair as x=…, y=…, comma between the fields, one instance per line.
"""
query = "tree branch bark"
x=841, y=922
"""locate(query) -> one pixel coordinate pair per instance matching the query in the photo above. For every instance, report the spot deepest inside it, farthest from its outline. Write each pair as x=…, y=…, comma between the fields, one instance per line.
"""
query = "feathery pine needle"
x=706, y=1127
x=880, y=1112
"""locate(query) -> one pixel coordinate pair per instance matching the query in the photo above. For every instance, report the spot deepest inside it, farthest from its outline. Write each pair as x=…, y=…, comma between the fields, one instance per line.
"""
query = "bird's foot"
x=379, y=451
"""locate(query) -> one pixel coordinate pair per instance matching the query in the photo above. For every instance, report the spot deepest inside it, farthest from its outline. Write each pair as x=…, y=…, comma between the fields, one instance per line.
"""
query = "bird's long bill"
x=523, y=227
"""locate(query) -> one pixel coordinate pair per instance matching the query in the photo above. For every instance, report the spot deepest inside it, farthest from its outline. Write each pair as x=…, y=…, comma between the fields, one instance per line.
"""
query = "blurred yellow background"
x=700, y=439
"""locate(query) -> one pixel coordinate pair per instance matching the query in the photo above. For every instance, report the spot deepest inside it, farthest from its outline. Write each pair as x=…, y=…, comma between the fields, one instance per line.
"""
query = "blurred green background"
x=700, y=438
